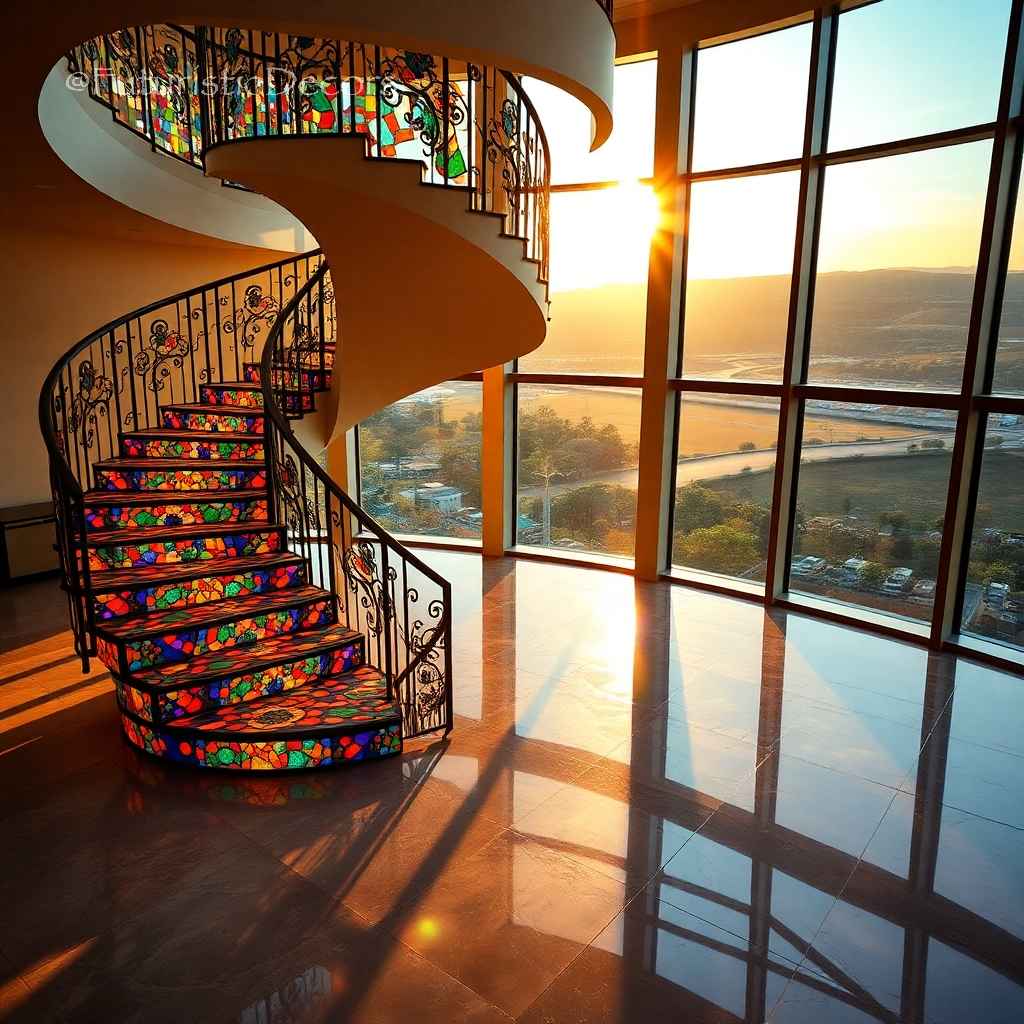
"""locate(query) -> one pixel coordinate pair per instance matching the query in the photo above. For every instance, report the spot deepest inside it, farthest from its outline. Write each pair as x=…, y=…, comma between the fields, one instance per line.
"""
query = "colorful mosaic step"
x=160, y=587
x=177, y=475
x=222, y=654
x=290, y=377
x=211, y=419
x=135, y=549
x=175, y=444
x=141, y=641
x=261, y=669
x=263, y=752
x=242, y=394
x=105, y=510
x=357, y=698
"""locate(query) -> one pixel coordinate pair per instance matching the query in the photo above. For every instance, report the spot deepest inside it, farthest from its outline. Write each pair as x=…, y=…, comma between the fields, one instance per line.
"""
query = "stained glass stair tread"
x=116, y=498
x=356, y=699
x=209, y=407
x=176, y=572
x=157, y=534
x=170, y=434
x=278, y=650
x=212, y=613
x=191, y=465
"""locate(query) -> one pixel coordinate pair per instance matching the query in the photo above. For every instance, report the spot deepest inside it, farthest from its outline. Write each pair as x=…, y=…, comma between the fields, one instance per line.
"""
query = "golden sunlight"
x=602, y=236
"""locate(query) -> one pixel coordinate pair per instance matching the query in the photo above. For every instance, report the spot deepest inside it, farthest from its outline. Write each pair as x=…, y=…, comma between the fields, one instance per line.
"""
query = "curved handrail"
x=118, y=377
x=371, y=567
x=473, y=127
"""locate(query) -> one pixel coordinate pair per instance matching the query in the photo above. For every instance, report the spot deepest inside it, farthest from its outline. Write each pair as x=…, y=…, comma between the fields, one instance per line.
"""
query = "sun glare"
x=603, y=236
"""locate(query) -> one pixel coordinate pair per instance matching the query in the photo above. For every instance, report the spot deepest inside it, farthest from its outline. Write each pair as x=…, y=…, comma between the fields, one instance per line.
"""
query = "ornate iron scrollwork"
x=89, y=402
x=359, y=566
x=299, y=514
x=257, y=310
x=429, y=690
x=412, y=78
x=504, y=144
x=166, y=348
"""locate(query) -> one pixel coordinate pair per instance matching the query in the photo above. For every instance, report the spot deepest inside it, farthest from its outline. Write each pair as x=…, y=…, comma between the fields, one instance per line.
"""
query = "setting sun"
x=583, y=224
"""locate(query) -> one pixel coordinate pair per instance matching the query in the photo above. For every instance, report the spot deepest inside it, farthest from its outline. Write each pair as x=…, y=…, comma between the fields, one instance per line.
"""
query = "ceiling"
x=626, y=9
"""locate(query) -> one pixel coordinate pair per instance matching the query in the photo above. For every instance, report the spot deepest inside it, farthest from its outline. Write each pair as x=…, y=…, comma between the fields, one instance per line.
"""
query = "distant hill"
x=872, y=314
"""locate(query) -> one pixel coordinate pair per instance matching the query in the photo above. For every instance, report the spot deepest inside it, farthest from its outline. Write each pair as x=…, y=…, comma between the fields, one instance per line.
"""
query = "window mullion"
x=982, y=339
x=821, y=69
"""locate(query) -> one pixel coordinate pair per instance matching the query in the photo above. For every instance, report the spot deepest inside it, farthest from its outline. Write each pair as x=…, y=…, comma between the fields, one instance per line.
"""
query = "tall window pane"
x=739, y=268
x=994, y=598
x=724, y=474
x=896, y=263
x=751, y=99
x=628, y=153
x=600, y=248
x=913, y=67
x=576, y=468
x=419, y=462
x=1008, y=378
x=870, y=510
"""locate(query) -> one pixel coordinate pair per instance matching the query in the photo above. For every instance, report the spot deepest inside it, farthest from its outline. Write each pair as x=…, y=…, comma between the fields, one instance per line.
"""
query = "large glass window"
x=576, y=467
x=739, y=267
x=912, y=67
x=1008, y=378
x=896, y=260
x=751, y=100
x=629, y=152
x=724, y=479
x=419, y=462
x=994, y=595
x=870, y=510
x=600, y=248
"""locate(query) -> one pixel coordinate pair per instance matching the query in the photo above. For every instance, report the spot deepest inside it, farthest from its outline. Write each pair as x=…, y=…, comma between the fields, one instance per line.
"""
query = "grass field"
x=708, y=427
x=916, y=485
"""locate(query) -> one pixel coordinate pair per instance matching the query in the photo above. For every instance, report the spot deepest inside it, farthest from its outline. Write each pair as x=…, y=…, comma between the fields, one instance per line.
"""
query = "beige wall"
x=61, y=286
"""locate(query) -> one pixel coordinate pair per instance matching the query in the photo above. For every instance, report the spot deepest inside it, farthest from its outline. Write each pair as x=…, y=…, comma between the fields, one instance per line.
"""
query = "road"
x=713, y=467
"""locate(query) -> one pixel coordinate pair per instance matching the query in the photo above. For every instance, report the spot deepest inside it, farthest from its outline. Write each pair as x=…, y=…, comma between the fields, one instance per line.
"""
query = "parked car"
x=809, y=565
x=924, y=589
x=897, y=581
x=852, y=571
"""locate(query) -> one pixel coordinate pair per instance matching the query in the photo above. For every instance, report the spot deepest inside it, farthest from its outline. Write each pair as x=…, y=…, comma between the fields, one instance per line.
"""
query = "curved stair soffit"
x=404, y=283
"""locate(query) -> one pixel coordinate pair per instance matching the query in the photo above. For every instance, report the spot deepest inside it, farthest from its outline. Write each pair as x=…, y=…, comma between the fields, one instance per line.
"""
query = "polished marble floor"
x=657, y=804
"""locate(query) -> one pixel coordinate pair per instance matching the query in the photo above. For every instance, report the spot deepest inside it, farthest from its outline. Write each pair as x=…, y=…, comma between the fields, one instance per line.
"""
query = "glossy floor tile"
x=656, y=804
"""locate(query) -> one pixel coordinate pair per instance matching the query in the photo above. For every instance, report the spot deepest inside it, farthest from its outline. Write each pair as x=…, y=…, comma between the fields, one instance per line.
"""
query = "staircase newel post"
x=449, y=697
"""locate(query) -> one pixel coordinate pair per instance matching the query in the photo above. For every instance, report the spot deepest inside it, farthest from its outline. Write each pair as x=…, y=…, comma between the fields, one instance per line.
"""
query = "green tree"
x=698, y=507
x=587, y=513
x=723, y=548
x=872, y=575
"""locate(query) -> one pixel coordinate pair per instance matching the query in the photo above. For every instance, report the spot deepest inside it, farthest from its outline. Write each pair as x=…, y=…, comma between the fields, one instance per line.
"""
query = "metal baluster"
x=377, y=94
x=113, y=377
x=445, y=118
x=110, y=376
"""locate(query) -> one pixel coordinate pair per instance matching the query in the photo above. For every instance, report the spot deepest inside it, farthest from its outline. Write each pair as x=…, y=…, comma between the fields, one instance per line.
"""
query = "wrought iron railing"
x=400, y=604
x=472, y=127
x=118, y=377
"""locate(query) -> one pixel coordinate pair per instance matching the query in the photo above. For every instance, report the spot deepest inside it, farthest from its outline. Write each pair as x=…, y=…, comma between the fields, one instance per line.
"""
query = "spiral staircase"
x=252, y=615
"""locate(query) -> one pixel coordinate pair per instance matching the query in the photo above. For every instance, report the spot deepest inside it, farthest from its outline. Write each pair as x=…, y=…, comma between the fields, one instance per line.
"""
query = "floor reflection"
x=656, y=803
